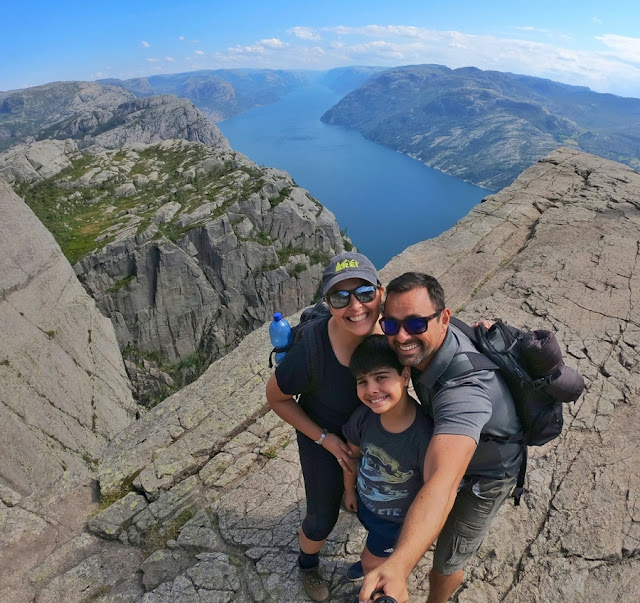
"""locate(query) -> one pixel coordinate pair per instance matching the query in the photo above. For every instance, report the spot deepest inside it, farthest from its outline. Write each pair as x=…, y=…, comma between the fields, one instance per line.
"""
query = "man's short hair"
x=372, y=354
x=416, y=280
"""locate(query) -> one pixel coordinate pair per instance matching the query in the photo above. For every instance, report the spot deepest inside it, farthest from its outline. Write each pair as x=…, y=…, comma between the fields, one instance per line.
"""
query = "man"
x=466, y=477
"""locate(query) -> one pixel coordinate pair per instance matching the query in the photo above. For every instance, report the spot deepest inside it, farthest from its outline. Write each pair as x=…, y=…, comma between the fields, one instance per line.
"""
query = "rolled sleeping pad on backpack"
x=542, y=357
x=568, y=387
x=541, y=353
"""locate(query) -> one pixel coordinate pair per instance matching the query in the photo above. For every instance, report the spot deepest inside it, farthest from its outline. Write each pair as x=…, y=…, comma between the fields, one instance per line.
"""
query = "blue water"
x=384, y=200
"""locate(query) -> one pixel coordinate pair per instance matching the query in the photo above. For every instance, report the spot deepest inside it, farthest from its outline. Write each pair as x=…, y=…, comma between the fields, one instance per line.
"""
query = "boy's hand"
x=351, y=500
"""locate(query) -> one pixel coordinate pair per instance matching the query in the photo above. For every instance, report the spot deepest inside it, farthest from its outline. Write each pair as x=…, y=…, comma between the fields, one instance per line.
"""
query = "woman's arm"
x=289, y=411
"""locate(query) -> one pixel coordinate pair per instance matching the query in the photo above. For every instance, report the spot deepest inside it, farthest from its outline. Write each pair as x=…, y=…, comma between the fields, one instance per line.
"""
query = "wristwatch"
x=323, y=435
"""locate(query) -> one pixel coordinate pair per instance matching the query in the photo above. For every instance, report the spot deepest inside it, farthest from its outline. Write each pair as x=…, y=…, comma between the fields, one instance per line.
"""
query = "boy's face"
x=382, y=388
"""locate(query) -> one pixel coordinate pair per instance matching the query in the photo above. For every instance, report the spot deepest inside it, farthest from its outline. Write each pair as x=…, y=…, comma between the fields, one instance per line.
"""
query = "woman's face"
x=357, y=317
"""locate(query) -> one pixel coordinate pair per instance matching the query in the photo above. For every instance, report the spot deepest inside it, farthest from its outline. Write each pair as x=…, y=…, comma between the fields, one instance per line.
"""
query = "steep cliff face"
x=558, y=249
x=63, y=389
x=186, y=247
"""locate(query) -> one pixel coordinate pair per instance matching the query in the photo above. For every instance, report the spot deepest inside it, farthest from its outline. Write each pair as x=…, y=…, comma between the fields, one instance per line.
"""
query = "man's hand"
x=484, y=322
x=388, y=577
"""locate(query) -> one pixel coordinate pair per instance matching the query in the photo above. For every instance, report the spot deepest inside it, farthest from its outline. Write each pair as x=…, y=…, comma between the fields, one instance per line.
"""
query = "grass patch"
x=263, y=238
x=121, y=283
x=271, y=452
x=157, y=536
x=282, y=195
x=297, y=269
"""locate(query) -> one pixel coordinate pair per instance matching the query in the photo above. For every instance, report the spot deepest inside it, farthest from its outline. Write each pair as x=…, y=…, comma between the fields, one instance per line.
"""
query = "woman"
x=351, y=287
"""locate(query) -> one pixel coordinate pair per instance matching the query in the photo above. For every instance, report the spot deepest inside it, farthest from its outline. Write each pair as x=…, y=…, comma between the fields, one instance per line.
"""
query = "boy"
x=390, y=436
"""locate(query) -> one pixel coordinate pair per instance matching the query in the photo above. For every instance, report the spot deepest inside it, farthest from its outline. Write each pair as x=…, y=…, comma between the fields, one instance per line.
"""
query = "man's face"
x=416, y=350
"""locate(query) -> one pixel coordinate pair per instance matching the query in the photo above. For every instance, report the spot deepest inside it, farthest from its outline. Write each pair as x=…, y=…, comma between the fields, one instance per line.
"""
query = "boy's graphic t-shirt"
x=390, y=471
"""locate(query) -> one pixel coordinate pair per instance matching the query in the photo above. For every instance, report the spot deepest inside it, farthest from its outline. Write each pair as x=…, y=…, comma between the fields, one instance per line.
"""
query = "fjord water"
x=384, y=200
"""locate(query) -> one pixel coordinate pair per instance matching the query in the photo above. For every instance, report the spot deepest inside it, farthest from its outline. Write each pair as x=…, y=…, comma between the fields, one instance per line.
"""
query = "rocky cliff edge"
x=207, y=485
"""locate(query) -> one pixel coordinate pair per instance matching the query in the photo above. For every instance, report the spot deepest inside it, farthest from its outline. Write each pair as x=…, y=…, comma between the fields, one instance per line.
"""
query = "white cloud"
x=199, y=52
x=145, y=44
x=304, y=33
x=273, y=43
x=151, y=60
x=611, y=70
x=597, y=20
x=181, y=38
x=625, y=47
x=169, y=59
x=402, y=31
x=530, y=28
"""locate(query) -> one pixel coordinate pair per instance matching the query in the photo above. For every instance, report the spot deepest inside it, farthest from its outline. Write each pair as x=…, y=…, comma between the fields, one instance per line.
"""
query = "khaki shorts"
x=476, y=505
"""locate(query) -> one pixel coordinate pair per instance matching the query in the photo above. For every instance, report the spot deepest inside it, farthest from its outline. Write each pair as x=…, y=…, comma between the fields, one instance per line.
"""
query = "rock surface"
x=559, y=248
x=222, y=490
x=63, y=389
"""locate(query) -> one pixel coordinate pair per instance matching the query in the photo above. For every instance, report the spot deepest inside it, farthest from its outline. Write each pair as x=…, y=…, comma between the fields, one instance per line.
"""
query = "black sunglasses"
x=412, y=326
x=364, y=294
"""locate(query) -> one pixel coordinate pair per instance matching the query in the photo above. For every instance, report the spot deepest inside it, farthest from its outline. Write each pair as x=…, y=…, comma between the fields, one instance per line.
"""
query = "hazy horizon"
x=597, y=47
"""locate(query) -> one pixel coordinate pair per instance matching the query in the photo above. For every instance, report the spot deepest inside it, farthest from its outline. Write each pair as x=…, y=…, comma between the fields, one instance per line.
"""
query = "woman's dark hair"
x=416, y=280
x=373, y=353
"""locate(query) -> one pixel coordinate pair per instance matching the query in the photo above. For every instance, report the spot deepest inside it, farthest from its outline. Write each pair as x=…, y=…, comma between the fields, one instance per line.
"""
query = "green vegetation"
x=271, y=452
x=158, y=535
x=263, y=238
x=282, y=195
x=106, y=500
x=182, y=373
x=297, y=269
x=121, y=283
x=77, y=215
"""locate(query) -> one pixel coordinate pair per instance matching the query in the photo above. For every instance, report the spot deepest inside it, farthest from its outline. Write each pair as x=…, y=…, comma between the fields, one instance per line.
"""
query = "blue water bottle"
x=280, y=335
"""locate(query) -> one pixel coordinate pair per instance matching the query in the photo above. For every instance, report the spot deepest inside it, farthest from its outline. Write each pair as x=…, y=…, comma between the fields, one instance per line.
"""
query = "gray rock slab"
x=117, y=517
x=200, y=534
x=64, y=389
x=94, y=577
x=163, y=566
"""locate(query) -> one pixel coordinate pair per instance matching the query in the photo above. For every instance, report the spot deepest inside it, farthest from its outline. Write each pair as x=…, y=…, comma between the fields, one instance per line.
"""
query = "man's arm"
x=445, y=464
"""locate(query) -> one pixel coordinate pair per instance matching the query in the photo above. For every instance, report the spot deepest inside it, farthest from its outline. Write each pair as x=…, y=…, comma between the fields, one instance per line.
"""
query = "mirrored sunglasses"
x=340, y=299
x=412, y=326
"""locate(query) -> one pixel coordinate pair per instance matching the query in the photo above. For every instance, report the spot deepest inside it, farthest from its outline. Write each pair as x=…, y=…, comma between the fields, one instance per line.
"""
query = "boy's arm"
x=350, y=497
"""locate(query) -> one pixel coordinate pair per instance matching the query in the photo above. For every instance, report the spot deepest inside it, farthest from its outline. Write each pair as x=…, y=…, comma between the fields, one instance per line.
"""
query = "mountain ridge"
x=487, y=126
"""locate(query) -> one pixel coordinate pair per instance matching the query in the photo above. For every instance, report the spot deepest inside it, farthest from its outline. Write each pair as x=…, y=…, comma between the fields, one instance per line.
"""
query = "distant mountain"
x=487, y=126
x=106, y=116
x=221, y=93
x=346, y=79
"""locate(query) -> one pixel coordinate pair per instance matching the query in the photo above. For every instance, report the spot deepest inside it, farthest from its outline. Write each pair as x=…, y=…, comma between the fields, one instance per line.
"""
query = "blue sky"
x=593, y=44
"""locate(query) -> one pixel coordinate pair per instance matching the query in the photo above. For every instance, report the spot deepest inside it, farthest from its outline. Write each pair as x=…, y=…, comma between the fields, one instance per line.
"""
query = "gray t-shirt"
x=473, y=404
x=390, y=471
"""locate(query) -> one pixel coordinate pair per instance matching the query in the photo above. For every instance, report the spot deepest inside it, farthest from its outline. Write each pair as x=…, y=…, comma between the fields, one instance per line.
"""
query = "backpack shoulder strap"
x=464, y=363
x=311, y=337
